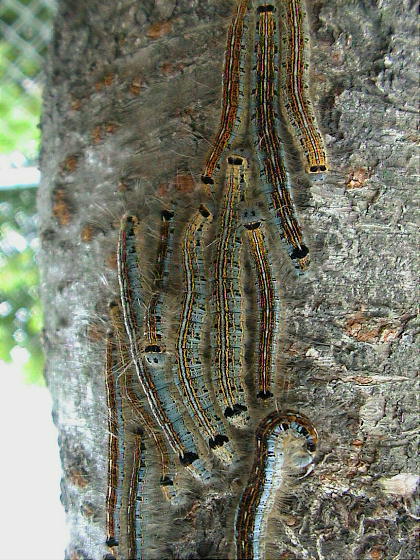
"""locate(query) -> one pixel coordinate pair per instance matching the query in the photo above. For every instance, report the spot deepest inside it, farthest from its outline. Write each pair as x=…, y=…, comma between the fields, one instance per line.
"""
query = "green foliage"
x=20, y=311
x=21, y=55
x=19, y=109
x=21, y=49
x=19, y=131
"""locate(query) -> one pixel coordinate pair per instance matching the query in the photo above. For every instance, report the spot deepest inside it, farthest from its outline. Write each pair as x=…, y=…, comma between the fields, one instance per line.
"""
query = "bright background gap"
x=31, y=515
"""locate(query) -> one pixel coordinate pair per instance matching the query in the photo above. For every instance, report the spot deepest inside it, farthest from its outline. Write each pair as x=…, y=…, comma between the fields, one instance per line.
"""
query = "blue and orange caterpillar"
x=135, y=501
x=267, y=304
x=116, y=448
x=284, y=445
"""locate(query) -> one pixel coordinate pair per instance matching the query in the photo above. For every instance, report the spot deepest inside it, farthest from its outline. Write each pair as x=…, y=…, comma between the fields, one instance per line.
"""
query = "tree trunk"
x=131, y=107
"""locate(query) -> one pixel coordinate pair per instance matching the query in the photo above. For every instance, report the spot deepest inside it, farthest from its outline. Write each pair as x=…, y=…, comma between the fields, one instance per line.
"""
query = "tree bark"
x=131, y=104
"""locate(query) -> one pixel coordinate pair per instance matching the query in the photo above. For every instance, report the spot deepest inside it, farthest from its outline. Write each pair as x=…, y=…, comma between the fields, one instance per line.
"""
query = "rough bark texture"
x=131, y=103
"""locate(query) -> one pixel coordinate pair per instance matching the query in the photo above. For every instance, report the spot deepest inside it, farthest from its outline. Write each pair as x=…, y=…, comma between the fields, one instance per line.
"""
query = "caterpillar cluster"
x=259, y=84
x=167, y=395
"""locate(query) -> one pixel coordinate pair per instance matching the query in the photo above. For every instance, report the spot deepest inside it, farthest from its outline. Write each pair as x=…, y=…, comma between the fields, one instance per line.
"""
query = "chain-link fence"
x=25, y=30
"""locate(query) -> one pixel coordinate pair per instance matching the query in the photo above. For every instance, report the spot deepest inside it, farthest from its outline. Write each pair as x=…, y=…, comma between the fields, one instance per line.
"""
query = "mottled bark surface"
x=131, y=104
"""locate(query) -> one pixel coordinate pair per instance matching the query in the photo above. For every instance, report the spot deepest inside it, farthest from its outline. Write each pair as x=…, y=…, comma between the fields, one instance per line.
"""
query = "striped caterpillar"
x=227, y=306
x=266, y=140
x=285, y=443
x=268, y=307
x=115, y=449
x=190, y=369
x=233, y=115
x=295, y=101
x=135, y=536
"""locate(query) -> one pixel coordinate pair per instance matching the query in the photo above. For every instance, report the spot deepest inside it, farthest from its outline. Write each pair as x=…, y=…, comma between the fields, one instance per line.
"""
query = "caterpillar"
x=227, y=298
x=152, y=320
x=233, y=110
x=115, y=449
x=285, y=443
x=267, y=143
x=295, y=101
x=268, y=307
x=151, y=367
x=190, y=370
x=135, y=537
